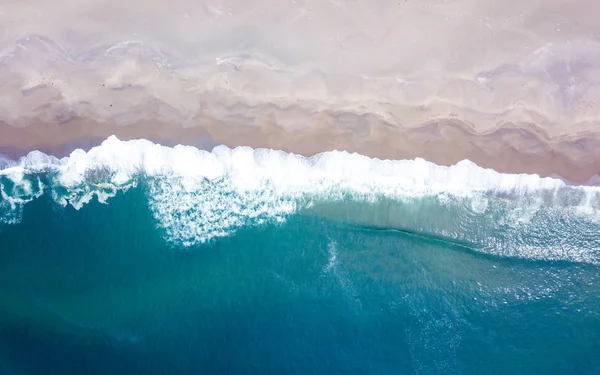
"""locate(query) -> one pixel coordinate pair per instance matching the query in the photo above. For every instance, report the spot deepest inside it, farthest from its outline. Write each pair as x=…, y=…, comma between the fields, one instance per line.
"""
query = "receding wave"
x=197, y=196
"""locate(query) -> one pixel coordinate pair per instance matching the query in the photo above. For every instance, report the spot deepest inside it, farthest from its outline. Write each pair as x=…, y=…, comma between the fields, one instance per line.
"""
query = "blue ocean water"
x=113, y=270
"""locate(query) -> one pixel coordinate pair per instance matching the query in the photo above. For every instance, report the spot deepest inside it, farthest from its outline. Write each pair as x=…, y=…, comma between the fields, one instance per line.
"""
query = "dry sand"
x=512, y=85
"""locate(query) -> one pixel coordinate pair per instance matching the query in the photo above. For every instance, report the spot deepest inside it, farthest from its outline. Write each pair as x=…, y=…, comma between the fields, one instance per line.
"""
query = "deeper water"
x=135, y=258
x=100, y=291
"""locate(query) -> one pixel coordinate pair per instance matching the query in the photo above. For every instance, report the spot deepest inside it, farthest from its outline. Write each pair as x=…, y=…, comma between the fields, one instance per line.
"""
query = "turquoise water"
x=211, y=280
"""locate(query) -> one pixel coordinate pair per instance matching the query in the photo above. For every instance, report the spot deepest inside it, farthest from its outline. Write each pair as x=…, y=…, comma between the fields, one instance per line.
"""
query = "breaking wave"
x=196, y=196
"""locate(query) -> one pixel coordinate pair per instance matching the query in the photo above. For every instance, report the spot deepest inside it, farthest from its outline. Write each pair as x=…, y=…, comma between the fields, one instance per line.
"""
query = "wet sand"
x=513, y=86
x=509, y=150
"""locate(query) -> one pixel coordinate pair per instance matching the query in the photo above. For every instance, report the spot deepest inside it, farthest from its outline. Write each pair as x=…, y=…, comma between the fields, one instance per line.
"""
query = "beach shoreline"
x=511, y=86
x=514, y=150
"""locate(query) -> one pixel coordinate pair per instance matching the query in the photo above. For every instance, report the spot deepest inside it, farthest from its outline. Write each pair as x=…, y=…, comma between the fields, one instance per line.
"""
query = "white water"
x=287, y=173
x=197, y=195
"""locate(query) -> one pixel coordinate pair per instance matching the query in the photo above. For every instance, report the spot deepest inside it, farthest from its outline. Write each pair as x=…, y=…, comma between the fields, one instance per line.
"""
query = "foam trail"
x=197, y=195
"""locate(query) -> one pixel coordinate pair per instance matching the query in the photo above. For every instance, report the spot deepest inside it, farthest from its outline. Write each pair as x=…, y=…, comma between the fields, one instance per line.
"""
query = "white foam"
x=248, y=168
x=197, y=195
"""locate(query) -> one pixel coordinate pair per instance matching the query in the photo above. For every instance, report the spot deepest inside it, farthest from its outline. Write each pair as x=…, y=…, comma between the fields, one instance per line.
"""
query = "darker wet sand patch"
x=510, y=149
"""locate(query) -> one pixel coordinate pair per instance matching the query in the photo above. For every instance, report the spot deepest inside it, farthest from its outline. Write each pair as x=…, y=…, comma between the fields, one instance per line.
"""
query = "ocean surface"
x=134, y=258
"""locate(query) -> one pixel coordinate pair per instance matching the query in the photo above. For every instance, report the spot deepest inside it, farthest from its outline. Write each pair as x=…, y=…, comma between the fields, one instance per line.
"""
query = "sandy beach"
x=513, y=86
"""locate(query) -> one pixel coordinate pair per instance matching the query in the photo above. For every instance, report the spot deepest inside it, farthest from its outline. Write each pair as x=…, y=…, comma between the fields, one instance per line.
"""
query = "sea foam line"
x=286, y=172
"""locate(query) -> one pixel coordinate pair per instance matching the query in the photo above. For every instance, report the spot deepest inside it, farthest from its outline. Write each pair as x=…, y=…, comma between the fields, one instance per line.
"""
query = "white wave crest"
x=197, y=195
x=248, y=169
